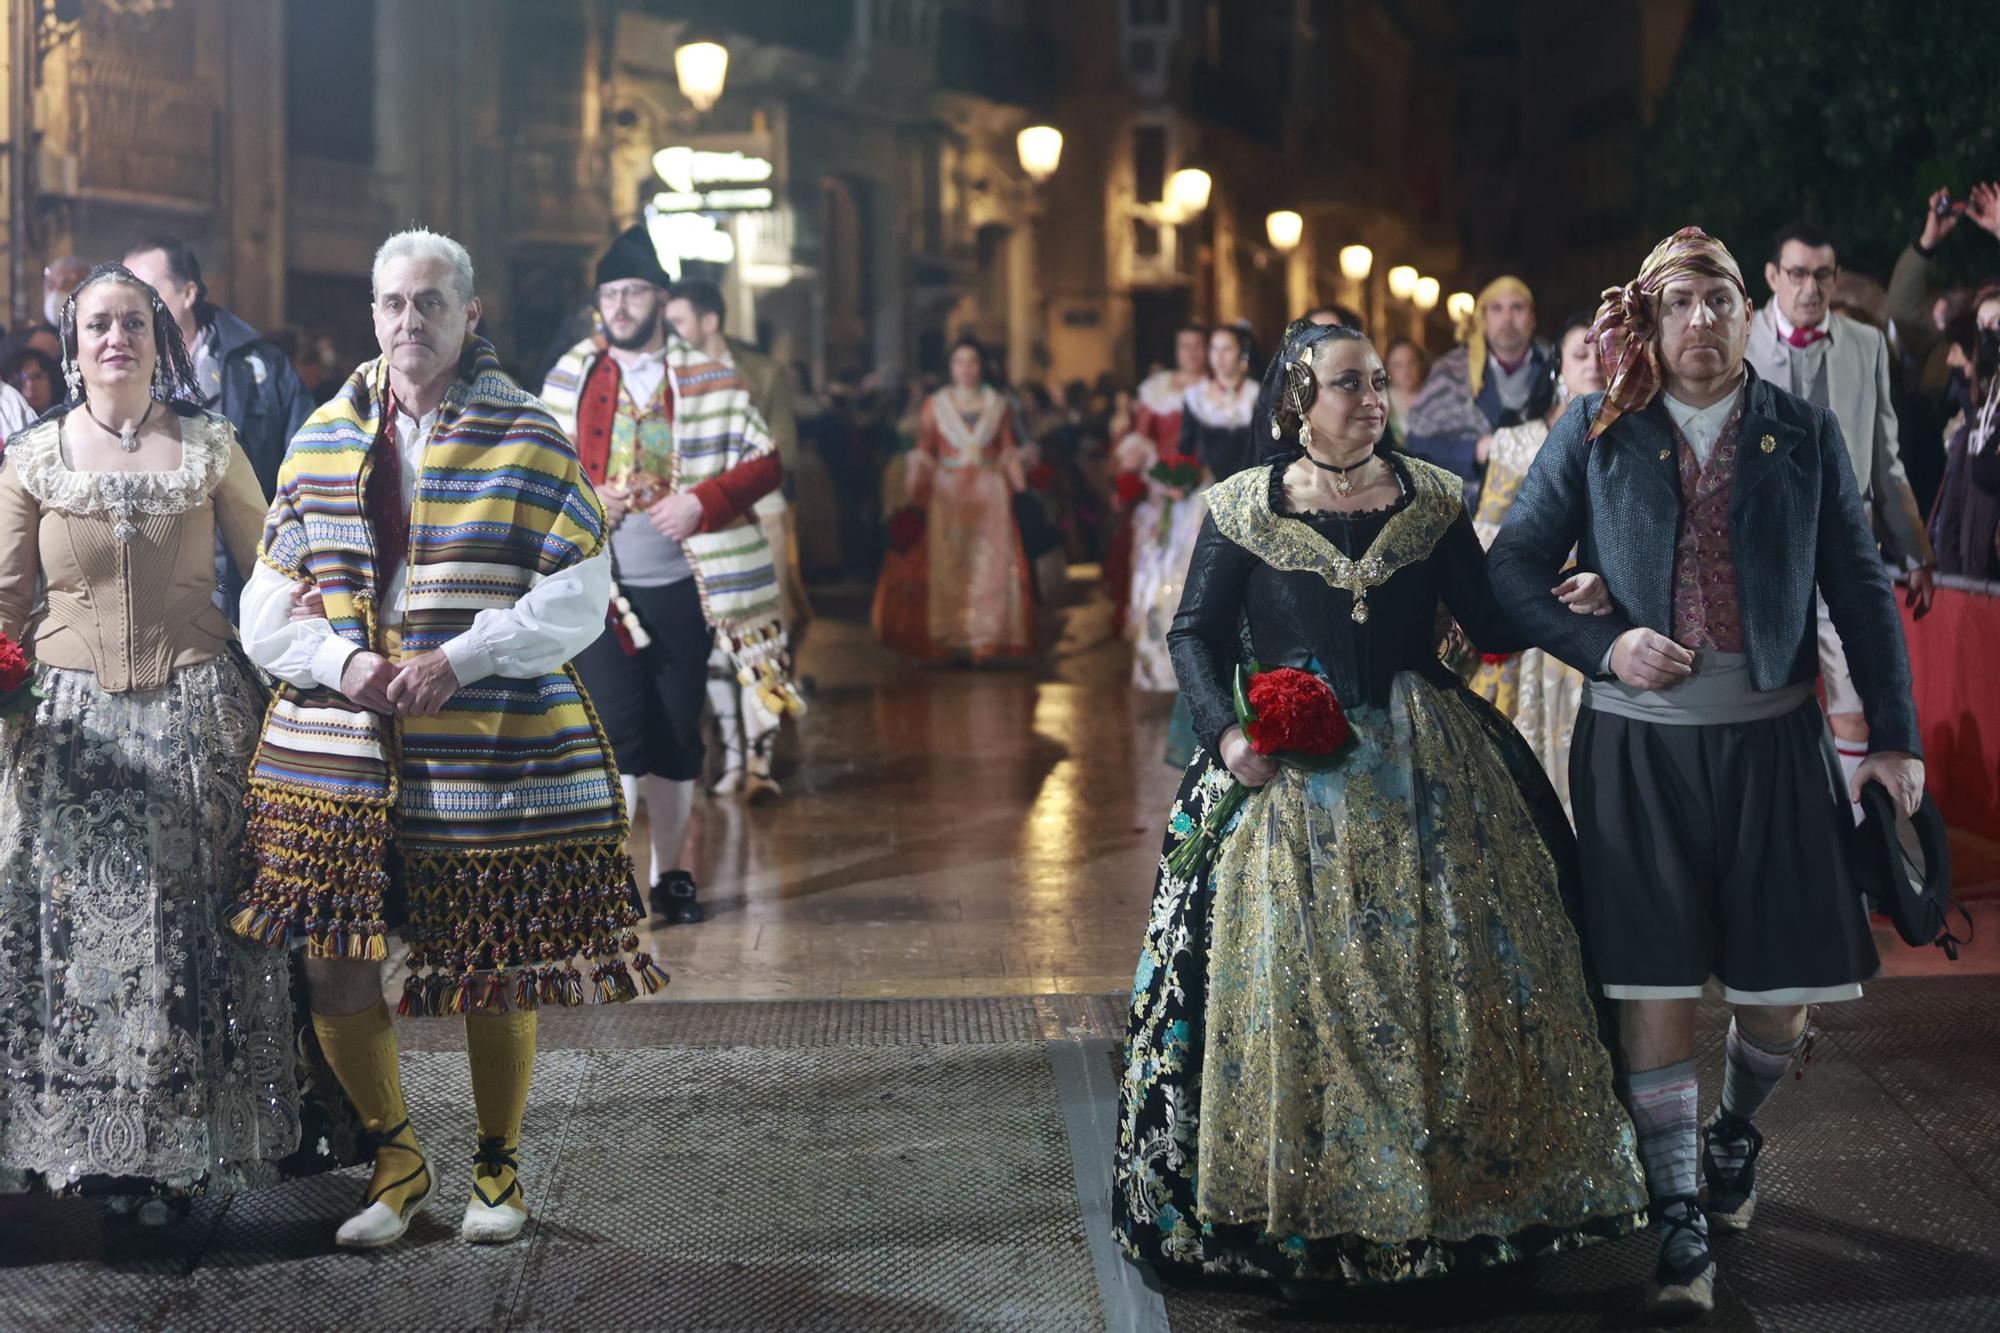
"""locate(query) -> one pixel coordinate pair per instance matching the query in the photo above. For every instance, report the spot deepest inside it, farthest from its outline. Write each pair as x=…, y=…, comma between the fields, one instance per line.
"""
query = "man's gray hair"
x=423, y=243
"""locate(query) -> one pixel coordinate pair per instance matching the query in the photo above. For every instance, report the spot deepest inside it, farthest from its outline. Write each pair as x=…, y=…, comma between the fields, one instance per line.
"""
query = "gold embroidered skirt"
x=1361, y=1046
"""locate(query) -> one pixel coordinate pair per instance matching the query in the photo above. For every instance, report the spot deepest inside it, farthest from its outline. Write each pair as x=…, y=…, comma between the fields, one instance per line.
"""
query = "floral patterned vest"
x=1706, y=610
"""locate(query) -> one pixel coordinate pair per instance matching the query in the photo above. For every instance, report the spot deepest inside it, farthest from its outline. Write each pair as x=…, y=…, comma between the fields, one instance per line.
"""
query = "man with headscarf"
x=1708, y=801
x=1503, y=376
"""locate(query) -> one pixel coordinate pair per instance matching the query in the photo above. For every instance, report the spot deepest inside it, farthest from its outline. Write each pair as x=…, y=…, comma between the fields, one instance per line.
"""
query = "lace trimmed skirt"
x=1362, y=1045
x=140, y=1040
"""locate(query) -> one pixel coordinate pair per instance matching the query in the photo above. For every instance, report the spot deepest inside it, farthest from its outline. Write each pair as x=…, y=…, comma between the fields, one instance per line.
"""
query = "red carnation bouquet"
x=906, y=529
x=1131, y=488
x=1288, y=715
x=17, y=679
x=1181, y=472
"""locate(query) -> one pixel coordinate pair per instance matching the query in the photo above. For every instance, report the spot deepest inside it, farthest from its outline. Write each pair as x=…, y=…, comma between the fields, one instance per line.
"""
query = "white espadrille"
x=378, y=1224
x=491, y=1226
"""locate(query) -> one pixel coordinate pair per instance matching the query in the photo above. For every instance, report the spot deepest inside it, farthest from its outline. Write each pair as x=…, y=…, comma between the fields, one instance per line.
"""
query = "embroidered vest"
x=614, y=435
x=1706, y=610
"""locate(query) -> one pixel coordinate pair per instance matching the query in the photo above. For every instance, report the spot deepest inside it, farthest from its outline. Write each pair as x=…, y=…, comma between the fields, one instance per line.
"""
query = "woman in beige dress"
x=147, y=1052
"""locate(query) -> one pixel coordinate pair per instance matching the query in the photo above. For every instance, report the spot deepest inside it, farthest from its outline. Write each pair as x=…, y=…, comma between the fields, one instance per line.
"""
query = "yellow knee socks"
x=361, y=1048
x=500, y=1049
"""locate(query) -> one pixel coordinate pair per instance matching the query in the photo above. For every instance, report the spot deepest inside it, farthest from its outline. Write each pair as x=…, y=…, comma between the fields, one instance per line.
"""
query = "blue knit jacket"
x=1796, y=521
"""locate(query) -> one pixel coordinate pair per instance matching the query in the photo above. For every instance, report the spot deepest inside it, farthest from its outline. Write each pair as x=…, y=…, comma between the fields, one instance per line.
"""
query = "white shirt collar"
x=409, y=428
x=639, y=359
x=1701, y=426
x=1716, y=413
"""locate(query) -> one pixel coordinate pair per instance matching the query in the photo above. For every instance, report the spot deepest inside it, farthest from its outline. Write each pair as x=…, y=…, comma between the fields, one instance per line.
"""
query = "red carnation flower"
x=906, y=528
x=1131, y=488
x=1290, y=714
x=14, y=666
x=1296, y=713
x=1494, y=659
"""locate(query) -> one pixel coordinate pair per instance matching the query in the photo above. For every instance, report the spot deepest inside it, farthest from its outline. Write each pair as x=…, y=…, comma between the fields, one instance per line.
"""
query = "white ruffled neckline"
x=37, y=456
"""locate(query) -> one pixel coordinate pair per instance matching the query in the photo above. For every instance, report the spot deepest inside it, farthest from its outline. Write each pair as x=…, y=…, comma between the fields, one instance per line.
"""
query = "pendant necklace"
x=1343, y=484
x=128, y=437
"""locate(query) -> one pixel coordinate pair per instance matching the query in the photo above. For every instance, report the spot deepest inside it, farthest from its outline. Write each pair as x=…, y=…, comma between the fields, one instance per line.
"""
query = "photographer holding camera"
x=1965, y=521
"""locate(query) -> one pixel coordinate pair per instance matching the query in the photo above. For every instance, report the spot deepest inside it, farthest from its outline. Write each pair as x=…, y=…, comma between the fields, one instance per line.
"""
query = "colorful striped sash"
x=503, y=811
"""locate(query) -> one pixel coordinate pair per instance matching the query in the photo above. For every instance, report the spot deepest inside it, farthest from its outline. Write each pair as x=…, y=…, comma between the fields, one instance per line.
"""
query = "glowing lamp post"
x=1286, y=229
x=1356, y=261
x=1040, y=147
x=1402, y=281
x=1188, y=190
x=1459, y=306
x=1425, y=294
x=701, y=68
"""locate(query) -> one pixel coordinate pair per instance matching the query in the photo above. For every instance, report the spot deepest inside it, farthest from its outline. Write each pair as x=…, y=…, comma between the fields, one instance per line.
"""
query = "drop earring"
x=73, y=377
x=1306, y=436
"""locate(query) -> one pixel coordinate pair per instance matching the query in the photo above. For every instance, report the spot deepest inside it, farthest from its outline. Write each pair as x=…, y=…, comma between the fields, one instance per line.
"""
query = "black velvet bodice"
x=1296, y=618
x=1223, y=450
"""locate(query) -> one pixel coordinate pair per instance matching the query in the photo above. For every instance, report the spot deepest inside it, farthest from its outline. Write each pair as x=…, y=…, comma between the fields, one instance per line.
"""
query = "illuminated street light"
x=1286, y=229
x=1459, y=306
x=1040, y=147
x=1188, y=190
x=1355, y=262
x=1402, y=281
x=701, y=68
x=1425, y=294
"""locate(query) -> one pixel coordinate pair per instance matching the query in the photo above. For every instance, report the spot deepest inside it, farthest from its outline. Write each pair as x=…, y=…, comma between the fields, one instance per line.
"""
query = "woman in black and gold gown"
x=1362, y=1046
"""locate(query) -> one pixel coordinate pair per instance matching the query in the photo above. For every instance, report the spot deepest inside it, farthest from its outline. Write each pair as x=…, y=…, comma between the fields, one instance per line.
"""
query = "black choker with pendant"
x=1343, y=484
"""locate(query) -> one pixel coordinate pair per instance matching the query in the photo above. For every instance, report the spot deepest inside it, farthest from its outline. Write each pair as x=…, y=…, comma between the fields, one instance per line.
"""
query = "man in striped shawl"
x=432, y=560
x=681, y=457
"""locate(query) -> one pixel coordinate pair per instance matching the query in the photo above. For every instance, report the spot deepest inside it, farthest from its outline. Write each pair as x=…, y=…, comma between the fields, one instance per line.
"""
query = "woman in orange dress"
x=960, y=590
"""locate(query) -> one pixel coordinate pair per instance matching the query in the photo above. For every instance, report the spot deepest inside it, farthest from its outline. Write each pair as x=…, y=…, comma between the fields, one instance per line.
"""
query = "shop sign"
x=702, y=181
x=684, y=238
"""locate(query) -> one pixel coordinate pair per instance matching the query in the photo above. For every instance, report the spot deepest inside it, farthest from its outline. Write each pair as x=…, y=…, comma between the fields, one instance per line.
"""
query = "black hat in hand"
x=1912, y=890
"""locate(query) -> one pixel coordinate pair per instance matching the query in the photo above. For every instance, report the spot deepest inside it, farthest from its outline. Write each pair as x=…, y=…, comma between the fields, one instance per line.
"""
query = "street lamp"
x=1188, y=190
x=1355, y=262
x=1286, y=229
x=1425, y=294
x=1402, y=281
x=1459, y=306
x=1040, y=147
x=701, y=68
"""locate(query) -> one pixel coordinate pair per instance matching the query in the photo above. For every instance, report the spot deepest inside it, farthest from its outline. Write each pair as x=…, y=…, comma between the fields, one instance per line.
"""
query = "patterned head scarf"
x=1475, y=345
x=1626, y=331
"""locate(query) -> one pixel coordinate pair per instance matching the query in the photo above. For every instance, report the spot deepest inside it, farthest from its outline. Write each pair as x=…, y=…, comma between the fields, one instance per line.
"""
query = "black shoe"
x=1732, y=1194
x=1682, y=1288
x=674, y=899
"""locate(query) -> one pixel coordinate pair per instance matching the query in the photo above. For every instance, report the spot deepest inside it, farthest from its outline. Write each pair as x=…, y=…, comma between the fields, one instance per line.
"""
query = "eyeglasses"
x=623, y=296
x=1819, y=277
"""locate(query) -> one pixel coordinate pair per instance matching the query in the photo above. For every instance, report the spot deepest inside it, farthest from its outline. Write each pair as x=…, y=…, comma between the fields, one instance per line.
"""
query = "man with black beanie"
x=692, y=566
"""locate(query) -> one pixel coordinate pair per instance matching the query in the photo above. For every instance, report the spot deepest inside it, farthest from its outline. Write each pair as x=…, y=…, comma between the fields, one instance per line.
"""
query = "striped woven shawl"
x=715, y=429
x=504, y=809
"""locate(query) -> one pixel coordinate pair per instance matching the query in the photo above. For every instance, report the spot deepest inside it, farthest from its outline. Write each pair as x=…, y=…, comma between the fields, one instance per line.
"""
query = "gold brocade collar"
x=1242, y=510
